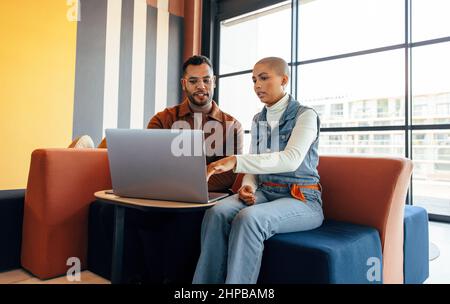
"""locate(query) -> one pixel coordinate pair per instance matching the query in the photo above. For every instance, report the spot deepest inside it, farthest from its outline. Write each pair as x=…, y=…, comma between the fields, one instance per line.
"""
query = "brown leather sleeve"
x=221, y=182
x=155, y=122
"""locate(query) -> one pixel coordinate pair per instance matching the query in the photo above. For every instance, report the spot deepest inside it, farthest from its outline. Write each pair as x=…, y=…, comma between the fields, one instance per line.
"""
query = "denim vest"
x=265, y=140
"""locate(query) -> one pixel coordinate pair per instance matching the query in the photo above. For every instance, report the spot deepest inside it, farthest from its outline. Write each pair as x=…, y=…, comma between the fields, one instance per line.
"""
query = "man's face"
x=199, y=83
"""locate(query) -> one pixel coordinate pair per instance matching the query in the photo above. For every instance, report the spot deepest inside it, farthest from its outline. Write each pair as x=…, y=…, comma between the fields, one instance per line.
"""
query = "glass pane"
x=431, y=175
x=430, y=19
x=237, y=98
x=357, y=91
x=247, y=143
x=431, y=84
x=374, y=143
x=330, y=27
x=245, y=40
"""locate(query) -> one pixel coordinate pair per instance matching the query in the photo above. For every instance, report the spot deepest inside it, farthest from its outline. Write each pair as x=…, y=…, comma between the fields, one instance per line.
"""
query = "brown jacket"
x=230, y=126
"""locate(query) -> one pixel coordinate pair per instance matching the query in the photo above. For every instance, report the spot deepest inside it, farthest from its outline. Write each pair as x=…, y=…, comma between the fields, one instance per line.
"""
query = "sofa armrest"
x=370, y=191
x=61, y=185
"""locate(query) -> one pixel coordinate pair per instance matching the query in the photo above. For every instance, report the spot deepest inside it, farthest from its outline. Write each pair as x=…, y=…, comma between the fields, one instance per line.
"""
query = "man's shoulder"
x=172, y=113
x=170, y=110
x=165, y=118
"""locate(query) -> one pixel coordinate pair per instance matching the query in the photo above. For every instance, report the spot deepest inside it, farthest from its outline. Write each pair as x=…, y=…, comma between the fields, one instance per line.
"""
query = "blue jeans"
x=233, y=234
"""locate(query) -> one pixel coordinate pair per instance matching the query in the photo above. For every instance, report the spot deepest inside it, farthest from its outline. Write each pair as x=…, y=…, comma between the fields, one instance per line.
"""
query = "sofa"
x=368, y=236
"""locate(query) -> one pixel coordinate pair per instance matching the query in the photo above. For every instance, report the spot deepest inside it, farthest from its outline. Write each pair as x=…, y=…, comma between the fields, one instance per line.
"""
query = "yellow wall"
x=37, y=75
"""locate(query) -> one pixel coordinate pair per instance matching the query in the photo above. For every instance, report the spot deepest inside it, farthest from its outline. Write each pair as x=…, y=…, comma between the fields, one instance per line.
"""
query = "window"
x=320, y=109
x=355, y=89
x=420, y=110
x=382, y=107
x=245, y=39
x=442, y=139
x=368, y=143
x=431, y=175
x=430, y=19
x=330, y=27
x=443, y=109
x=376, y=71
x=382, y=139
x=337, y=110
x=431, y=84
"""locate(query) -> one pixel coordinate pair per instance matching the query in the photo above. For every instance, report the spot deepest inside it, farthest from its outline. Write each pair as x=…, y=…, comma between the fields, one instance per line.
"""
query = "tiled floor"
x=440, y=267
x=20, y=276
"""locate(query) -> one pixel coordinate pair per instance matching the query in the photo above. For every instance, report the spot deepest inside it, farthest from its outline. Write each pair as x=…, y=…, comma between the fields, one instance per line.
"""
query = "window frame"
x=211, y=44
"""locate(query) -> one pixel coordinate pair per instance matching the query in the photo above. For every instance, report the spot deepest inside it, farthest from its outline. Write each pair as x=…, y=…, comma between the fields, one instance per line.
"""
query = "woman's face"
x=268, y=85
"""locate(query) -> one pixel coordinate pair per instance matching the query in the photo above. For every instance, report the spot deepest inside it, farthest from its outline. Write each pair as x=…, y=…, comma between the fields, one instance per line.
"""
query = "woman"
x=280, y=190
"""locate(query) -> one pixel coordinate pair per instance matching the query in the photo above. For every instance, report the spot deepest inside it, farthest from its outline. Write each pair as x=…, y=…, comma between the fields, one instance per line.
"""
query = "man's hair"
x=196, y=60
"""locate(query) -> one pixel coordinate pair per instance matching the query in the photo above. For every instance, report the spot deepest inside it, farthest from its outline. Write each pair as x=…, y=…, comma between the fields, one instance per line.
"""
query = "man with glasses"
x=199, y=111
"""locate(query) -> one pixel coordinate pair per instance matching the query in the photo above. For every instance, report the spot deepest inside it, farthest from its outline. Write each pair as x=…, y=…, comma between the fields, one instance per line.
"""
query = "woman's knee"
x=225, y=208
x=250, y=216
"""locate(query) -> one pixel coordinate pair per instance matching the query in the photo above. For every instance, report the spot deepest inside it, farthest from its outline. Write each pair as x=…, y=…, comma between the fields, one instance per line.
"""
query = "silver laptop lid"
x=158, y=164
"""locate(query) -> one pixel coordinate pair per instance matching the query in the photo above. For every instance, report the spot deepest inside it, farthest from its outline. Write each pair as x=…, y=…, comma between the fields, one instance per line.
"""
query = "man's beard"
x=206, y=101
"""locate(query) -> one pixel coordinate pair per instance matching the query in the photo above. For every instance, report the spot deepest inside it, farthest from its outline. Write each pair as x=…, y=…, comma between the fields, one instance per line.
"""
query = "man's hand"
x=222, y=165
x=247, y=195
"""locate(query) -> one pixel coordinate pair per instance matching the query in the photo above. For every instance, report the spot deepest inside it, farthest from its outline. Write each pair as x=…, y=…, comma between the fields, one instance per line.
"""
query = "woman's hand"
x=247, y=195
x=222, y=165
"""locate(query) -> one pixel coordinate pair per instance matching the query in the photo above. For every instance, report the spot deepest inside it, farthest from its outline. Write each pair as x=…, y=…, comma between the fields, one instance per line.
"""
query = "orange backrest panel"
x=61, y=184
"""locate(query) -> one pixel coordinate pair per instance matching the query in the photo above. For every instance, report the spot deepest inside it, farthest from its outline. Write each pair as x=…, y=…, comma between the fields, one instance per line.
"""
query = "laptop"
x=159, y=164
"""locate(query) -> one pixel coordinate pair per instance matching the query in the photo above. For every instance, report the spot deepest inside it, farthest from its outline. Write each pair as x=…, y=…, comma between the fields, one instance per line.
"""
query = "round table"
x=120, y=203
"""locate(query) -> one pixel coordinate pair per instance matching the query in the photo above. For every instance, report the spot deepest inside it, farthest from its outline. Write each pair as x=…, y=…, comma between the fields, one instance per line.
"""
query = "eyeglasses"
x=207, y=81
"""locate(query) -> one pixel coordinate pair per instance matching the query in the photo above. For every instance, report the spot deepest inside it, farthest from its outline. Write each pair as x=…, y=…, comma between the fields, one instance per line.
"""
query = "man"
x=199, y=111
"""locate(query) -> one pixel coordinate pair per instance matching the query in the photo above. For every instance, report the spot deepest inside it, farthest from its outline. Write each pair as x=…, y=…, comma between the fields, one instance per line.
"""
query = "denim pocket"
x=312, y=195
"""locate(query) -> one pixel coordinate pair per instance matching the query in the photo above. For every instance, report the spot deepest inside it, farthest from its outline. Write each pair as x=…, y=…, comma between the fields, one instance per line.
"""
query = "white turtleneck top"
x=303, y=135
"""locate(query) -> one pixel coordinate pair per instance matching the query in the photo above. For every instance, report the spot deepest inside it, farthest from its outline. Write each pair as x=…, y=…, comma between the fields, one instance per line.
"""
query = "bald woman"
x=280, y=191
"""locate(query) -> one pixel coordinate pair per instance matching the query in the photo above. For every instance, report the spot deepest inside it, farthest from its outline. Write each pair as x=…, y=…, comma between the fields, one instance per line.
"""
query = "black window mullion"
x=408, y=96
x=294, y=46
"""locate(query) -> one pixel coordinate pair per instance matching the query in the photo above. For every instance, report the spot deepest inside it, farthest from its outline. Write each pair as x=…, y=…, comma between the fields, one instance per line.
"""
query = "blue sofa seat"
x=336, y=252
x=416, y=245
